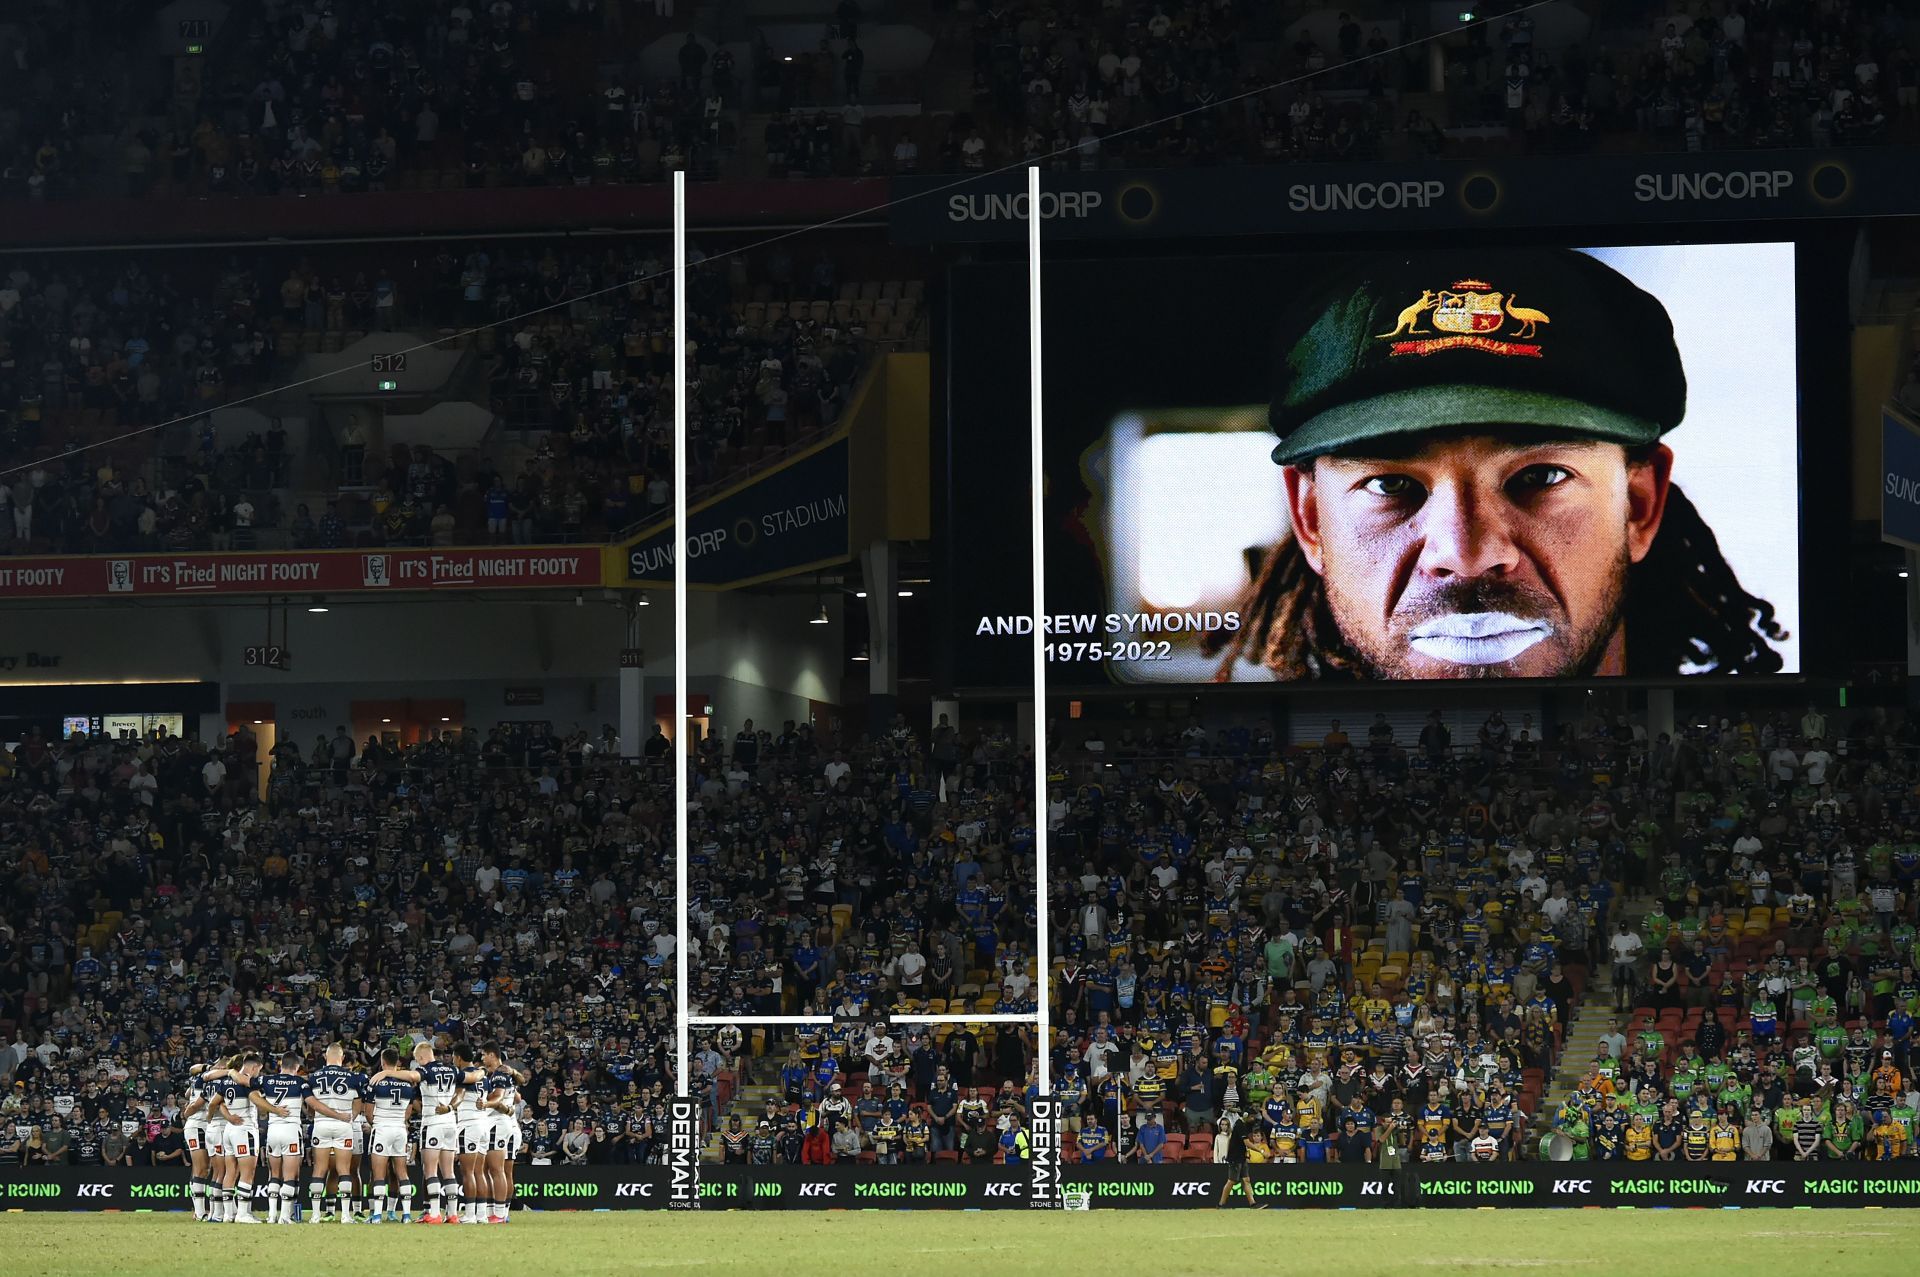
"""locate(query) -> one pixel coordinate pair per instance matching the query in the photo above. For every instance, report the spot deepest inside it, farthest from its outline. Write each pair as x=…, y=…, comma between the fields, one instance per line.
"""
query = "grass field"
x=1833, y=1243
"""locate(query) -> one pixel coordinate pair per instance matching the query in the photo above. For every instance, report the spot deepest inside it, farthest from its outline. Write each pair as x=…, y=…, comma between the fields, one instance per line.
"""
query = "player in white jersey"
x=194, y=1129
x=441, y=1093
x=337, y=1093
x=286, y=1143
x=475, y=1127
x=392, y=1101
x=362, y=1140
x=240, y=1103
x=219, y=1152
x=503, y=1101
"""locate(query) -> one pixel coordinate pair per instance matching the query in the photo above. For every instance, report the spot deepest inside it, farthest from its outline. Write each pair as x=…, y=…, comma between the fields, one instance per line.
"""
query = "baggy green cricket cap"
x=1544, y=338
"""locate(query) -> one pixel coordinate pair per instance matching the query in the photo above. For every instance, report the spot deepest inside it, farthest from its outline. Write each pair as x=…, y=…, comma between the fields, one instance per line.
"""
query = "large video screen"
x=1495, y=463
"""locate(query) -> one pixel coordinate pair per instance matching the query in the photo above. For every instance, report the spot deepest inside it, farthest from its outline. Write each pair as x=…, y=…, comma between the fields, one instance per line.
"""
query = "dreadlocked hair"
x=1285, y=623
x=1685, y=612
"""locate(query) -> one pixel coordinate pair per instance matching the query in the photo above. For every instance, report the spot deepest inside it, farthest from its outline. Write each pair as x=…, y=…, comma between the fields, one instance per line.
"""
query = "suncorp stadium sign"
x=1104, y=1186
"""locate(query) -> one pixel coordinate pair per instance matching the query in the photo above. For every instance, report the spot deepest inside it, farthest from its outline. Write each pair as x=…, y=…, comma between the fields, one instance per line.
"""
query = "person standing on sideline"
x=1235, y=1132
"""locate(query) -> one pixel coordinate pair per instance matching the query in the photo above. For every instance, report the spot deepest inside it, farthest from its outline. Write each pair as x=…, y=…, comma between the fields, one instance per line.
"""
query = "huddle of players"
x=365, y=1131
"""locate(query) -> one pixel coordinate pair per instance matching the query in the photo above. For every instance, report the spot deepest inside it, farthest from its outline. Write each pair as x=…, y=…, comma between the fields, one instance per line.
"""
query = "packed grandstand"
x=1672, y=920
x=354, y=97
x=1367, y=937
x=565, y=346
x=567, y=341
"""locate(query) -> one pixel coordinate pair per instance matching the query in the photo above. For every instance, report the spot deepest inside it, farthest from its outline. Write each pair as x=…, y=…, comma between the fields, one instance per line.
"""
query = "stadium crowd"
x=1730, y=76
x=158, y=916
x=575, y=369
x=1367, y=949
x=1370, y=949
x=348, y=97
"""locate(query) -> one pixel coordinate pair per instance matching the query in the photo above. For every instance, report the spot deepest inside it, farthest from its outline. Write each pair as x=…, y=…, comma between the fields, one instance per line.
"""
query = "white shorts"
x=284, y=1141
x=506, y=1136
x=238, y=1141
x=440, y=1137
x=329, y=1134
x=390, y=1141
x=476, y=1135
x=196, y=1135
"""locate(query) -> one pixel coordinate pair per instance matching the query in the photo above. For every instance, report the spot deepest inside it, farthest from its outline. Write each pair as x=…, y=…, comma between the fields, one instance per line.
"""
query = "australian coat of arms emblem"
x=1470, y=315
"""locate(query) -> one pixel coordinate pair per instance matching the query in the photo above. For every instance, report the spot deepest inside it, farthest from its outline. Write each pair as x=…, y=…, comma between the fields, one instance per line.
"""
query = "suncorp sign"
x=1013, y=208
x=785, y=521
x=1899, y=480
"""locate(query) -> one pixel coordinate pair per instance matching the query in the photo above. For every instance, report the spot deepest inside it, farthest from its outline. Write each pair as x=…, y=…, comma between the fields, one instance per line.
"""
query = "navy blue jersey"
x=337, y=1088
x=391, y=1098
x=438, y=1082
x=500, y=1085
x=235, y=1092
x=288, y=1090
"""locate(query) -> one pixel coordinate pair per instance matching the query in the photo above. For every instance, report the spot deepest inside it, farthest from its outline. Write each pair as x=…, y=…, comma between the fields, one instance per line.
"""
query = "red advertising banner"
x=518, y=567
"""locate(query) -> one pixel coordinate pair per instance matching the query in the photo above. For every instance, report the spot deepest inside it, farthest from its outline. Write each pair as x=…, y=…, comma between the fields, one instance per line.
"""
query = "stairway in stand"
x=1585, y=1026
x=750, y=1102
x=1581, y=1048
